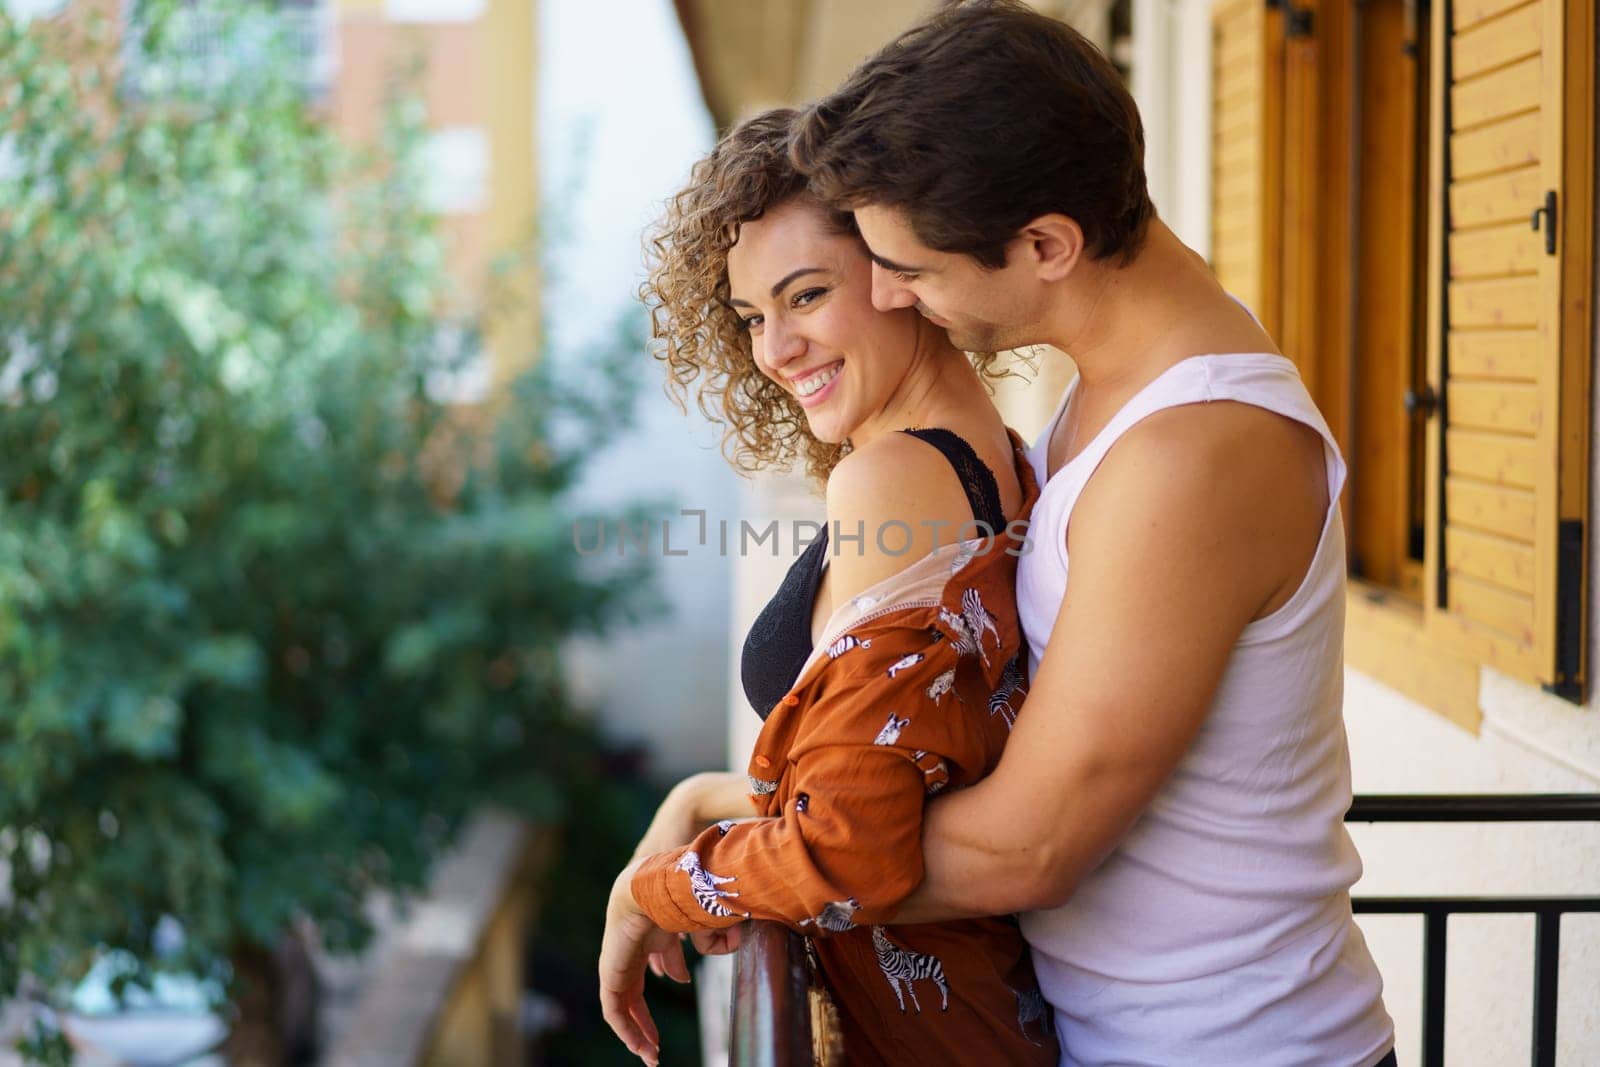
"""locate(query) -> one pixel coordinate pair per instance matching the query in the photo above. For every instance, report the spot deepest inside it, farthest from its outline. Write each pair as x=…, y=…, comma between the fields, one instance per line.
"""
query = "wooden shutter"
x=1509, y=345
x=1246, y=154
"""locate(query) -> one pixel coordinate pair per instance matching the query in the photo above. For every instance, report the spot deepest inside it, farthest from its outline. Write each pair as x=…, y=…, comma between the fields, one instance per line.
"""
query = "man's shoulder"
x=1191, y=449
x=1223, y=472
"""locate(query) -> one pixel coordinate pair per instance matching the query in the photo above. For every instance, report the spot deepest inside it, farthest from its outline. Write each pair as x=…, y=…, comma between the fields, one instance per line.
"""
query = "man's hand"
x=630, y=938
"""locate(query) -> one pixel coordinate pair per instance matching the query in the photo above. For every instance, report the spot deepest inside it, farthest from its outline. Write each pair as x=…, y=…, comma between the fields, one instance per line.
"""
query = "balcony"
x=774, y=1026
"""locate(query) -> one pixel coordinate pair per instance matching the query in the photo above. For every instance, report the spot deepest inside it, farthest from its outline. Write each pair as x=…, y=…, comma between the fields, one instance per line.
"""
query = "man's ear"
x=1053, y=244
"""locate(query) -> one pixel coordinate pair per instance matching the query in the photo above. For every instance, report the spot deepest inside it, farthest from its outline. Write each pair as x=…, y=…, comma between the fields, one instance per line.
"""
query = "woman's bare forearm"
x=718, y=795
x=692, y=805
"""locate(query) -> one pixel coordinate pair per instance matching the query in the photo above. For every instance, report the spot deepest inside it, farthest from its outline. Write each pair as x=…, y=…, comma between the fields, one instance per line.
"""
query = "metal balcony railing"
x=1436, y=911
x=772, y=1020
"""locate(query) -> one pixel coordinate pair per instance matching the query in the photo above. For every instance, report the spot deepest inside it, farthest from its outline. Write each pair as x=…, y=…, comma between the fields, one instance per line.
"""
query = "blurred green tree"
x=274, y=614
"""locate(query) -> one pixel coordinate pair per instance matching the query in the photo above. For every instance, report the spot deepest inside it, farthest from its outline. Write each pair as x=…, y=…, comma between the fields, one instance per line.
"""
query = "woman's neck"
x=940, y=381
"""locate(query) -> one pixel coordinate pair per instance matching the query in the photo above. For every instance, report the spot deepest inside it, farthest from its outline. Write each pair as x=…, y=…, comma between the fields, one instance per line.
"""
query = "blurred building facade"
x=1363, y=175
x=479, y=84
x=477, y=61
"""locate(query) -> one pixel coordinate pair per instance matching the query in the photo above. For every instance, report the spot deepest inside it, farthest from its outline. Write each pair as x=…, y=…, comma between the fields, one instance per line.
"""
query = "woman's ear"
x=1053, y=244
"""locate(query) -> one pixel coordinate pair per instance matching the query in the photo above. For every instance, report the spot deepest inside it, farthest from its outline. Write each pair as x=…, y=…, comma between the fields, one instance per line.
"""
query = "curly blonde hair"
x=697, y=335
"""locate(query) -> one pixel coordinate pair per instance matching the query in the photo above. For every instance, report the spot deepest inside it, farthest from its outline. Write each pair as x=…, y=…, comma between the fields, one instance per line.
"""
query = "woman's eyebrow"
x=783, y=283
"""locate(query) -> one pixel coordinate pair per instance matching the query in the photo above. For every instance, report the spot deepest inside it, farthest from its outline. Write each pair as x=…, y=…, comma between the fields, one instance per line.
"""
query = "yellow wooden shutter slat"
x=1495, y=252
x=1499, y=561
x=1506, y=612
x=1486, y=456
x=1507, y=408
x=1496, y=199
x=1507, y=38
x=1498, y=302
x=1507, y=91
x=1502, y=145
x=1491, y=508
x=1471, y=12
x=1508, y=354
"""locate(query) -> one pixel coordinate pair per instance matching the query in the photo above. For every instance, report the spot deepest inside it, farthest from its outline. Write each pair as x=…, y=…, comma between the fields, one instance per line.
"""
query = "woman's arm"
x=694, y=804
x=847, y=849
x=848, y=842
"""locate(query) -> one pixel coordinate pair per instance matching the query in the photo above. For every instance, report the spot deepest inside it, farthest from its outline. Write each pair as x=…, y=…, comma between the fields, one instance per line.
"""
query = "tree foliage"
x=273, y=615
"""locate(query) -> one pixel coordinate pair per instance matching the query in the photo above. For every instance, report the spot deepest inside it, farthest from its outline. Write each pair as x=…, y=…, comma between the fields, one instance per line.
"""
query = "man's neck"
x=1124, y=325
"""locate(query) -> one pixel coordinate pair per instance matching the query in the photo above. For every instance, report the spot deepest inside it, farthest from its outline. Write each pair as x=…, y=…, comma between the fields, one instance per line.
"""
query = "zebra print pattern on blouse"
x=707, y=887
x=1010, y=682
x=836, y=916
x=904, y=968
x=1031, y=1008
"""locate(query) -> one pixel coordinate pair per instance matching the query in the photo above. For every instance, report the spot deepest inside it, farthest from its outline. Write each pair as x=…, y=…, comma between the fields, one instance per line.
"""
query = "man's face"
x=982, y=310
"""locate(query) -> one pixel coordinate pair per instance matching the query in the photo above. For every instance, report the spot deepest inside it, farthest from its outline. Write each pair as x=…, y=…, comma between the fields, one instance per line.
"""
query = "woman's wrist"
x=688, y=799
x=622, y=897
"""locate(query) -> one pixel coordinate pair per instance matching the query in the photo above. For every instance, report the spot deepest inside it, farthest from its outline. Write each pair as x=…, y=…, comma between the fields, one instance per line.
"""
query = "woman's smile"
x=814, y=387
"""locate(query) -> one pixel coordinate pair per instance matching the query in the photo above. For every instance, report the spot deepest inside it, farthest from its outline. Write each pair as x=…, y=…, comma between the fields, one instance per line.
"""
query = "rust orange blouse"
x=913, y=690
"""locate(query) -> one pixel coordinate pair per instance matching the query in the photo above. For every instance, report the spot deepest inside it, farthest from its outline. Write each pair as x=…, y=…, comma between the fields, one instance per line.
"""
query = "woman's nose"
x=782, y=344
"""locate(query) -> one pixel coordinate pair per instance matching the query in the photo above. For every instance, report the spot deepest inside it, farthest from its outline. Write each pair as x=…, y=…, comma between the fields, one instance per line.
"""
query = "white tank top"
x=1219, y=931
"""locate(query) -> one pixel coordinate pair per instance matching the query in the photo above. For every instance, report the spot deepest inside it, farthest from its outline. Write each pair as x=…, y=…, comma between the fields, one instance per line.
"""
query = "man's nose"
x=887, y=293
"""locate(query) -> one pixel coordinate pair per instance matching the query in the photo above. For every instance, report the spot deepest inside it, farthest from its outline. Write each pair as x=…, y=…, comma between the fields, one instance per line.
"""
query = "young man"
x=1169, y=811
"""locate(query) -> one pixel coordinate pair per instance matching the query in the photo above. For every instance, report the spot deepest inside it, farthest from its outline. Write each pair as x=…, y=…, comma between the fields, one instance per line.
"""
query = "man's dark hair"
x=977, y=120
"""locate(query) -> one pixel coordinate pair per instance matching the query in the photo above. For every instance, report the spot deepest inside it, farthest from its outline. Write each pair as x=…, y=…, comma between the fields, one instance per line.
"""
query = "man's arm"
x=1198, y=520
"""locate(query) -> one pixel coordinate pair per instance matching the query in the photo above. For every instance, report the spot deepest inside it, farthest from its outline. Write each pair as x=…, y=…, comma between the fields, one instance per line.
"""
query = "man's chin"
x=971, y=341
x=966, y=338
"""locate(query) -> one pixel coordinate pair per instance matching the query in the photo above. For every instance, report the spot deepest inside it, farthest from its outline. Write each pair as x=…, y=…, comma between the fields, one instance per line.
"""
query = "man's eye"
x=902, y=276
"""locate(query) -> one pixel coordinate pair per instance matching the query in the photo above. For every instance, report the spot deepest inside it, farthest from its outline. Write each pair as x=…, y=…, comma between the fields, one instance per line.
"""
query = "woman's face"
x=804, y=293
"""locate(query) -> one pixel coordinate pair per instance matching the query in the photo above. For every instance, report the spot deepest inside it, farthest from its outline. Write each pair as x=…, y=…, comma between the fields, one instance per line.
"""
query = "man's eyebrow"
x=783, y=283
x=889, y=264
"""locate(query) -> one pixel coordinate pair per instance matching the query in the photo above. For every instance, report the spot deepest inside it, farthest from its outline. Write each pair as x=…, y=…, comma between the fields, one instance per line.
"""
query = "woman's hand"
x=691, y=806
x=630, y=938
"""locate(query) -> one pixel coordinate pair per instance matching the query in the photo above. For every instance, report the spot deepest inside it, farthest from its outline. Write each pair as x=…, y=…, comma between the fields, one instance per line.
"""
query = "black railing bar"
x=1546, y=978
x=1435, y=945
x=1475, y=807
x=1473, y=905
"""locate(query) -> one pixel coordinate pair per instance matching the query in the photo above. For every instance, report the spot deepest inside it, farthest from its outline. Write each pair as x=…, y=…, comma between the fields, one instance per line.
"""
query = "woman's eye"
x=902, y=276
x=806, y=296
x=751, y=323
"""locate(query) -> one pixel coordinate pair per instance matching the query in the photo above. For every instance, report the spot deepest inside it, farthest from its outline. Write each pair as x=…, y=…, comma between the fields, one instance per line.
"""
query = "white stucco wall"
x=621, y=124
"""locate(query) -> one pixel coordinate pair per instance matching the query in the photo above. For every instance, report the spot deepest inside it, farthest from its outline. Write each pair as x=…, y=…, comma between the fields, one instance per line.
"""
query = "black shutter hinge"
x=1569, y=683
x=1297, y=21
x=1547, y=214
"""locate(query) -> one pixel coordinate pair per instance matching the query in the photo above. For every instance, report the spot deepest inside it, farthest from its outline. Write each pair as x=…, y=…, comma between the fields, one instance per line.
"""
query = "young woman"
x=887, y=667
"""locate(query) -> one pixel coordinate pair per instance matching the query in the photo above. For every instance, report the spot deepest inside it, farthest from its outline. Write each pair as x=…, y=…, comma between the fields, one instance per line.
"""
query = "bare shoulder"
x=1231, y=441
x=892, y=502
x=1229, y=487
